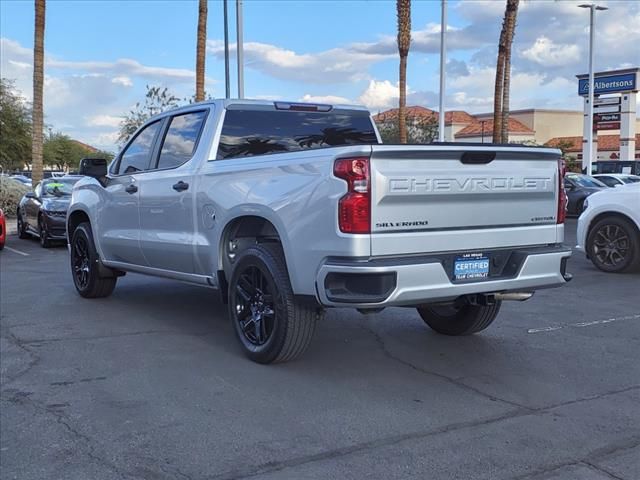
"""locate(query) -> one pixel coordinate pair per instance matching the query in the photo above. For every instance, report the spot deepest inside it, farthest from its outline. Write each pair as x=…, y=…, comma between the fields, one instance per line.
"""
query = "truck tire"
x=270, y=324
x=464, y=320
x=613, y=245
x=84, y=265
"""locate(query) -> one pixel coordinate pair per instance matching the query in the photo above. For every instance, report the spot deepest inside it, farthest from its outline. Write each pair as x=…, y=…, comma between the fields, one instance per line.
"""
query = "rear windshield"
x=246, y=133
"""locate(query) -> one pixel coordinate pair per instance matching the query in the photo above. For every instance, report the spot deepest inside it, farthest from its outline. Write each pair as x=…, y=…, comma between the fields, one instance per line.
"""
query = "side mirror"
x=93, y=167
x=30, y=195
x=569, y=187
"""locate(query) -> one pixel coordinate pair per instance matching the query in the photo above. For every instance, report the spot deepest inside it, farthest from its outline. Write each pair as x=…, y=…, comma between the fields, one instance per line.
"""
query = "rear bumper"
x=427, y=279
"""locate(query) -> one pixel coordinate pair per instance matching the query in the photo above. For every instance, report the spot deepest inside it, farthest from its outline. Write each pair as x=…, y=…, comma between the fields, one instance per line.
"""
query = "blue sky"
x=101, y=54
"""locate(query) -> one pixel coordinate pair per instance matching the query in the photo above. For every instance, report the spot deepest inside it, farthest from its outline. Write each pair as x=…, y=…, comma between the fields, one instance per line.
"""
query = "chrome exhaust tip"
x=514, y=296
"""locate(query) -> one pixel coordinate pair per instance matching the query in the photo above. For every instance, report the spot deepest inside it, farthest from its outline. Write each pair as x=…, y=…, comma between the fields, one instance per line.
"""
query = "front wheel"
x=270, y=323
x=613, y=245
x=22, y=230
x=43, y=231
x=459, y=320
x=84, y=265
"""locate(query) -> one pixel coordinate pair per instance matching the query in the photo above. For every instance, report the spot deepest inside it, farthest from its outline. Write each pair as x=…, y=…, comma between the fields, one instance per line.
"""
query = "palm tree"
x=38, y=79
x=201, y=50
x=510, y=17
x=404, y=41
x=499, y=85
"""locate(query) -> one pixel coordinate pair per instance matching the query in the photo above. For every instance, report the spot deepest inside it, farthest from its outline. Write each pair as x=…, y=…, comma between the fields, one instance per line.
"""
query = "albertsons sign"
x=609, y=84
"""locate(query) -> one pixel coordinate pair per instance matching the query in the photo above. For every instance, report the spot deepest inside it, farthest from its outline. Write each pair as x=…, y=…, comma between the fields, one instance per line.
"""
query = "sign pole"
x=589, y=158
x=443, y=65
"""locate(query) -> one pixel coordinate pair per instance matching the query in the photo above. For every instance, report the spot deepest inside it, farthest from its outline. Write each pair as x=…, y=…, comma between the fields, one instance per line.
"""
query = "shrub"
x=11, y=191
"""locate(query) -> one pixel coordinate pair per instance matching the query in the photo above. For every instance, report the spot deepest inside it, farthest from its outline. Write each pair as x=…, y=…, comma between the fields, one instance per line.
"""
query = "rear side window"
x=181, y=139
x=246, y=133
x=138, y=154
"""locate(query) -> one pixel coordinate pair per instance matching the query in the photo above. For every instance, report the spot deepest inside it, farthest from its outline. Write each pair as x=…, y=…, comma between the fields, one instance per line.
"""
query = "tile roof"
x=605, y=143
x=475, y=129
x=85, y=146
x=453, y=116
x=415, y=112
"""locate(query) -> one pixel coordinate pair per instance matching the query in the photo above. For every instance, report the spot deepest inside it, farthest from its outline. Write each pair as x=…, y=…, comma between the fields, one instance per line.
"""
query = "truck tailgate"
x=455, y=197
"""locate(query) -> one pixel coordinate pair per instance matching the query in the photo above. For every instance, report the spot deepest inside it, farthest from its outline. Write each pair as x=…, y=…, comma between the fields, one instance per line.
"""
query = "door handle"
x=180, y=186
x=131, y=189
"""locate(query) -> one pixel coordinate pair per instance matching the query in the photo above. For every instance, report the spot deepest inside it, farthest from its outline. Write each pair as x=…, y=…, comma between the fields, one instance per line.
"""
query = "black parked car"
x=578, y=187
x=43, y=212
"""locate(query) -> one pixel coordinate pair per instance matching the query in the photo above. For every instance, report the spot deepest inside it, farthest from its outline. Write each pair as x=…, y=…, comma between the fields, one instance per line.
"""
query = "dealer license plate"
x=471, y=266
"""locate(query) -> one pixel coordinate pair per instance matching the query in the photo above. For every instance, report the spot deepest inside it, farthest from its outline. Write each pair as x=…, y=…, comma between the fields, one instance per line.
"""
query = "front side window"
x=246, y=133
x=137, y=155
x=181, y=138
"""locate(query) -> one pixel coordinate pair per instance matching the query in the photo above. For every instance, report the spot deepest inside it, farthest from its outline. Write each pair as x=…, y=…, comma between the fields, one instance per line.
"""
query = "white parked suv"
x=609, y=229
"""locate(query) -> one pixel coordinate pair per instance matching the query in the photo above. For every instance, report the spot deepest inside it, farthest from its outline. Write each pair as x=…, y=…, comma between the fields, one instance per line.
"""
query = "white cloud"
x=545, y=52
x=380, y=95
x=104, y=121
x=329, y=66
x=327, y=99
x=126, y=81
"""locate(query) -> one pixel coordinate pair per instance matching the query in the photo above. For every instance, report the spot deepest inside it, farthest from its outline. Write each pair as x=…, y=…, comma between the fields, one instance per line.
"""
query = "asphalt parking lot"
x=150, y=384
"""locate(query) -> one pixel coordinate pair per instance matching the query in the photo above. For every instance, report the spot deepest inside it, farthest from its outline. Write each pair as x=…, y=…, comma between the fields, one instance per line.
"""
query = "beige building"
x=534, y=126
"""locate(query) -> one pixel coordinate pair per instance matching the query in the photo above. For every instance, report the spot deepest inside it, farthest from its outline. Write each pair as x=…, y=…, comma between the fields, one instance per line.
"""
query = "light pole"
x=227, y=85
x=239, y=48
x=592, y=8
x=443, y=64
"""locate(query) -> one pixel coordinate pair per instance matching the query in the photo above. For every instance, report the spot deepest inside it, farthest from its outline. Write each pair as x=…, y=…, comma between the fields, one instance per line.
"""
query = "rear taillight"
x=562, y=196
x=354, y=208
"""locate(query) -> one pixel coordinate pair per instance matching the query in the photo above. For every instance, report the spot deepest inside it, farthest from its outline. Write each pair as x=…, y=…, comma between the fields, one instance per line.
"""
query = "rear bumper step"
x=417, y=280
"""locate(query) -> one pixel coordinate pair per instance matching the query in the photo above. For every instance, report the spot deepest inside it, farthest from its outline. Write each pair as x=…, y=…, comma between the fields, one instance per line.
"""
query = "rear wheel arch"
x=238, y=235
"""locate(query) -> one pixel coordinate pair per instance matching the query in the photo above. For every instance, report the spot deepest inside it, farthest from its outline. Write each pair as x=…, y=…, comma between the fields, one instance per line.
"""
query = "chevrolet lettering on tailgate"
x=469, y=184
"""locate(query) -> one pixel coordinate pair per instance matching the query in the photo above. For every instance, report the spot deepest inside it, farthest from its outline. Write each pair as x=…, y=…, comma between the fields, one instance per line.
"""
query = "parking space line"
x=17, y=251
x=582, y=324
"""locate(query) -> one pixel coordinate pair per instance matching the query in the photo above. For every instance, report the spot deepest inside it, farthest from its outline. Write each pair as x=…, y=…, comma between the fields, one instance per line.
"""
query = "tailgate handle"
x=477, y=158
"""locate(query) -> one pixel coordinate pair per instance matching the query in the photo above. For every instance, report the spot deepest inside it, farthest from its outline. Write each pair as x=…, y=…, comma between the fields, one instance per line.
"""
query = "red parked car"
x=3, y=229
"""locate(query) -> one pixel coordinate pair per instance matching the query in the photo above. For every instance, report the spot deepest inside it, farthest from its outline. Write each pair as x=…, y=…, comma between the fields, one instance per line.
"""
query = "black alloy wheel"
x=613, y=245
x=255, y=311
x=43, y=231
x=22, y=232
x=80, y=262
x=85, y=265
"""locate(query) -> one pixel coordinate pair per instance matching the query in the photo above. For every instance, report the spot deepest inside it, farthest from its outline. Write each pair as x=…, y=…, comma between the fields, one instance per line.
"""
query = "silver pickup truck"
x=288, y=208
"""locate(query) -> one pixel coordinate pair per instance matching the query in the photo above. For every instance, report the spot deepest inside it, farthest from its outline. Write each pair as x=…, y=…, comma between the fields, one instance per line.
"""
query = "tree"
x=201, y=49
x=420, y=130
x=404, y=41
x=156, y=100
x=510, y=17
x=38, y=90
x=499, y=85
x=15, y=128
